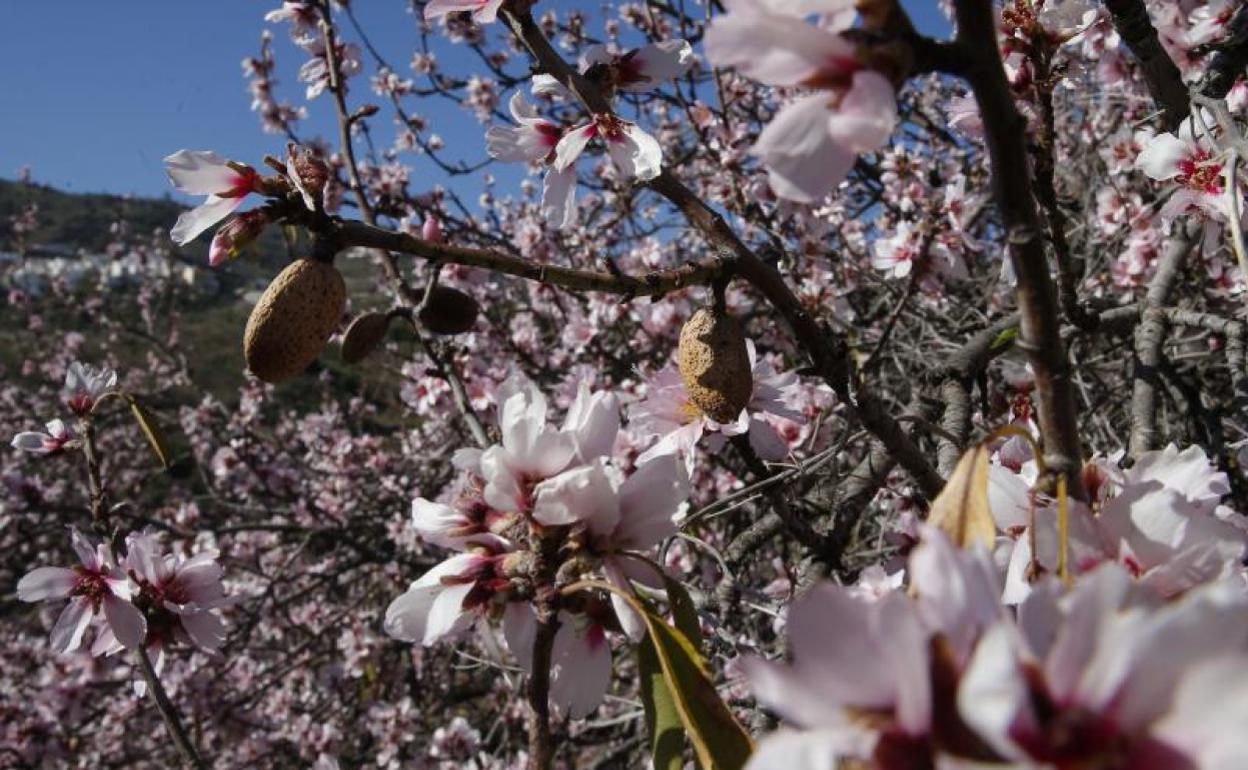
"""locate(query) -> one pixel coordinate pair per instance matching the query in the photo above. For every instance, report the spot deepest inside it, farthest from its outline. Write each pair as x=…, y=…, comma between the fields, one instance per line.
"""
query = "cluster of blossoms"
x=943, y=674
x=544, y=493
x=85, y=385
x=148, y=598
x=635, y=153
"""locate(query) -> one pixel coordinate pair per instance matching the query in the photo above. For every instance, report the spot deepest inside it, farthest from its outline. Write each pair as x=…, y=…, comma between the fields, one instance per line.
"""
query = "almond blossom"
x=894, y=658
x=534, y=141
x=96, y=588
x=483, y=11
x=812, y=142
x=1105, y=678
x=1162, y=520
x=543, y=478
x=634, y=152
x=85, y=385
x=178, y=594
x=58, y=438
x=1199, y=181
x=200, y=172
x=638, y=70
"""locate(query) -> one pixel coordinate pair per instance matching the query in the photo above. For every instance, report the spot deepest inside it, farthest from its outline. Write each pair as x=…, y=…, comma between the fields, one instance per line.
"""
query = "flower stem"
x=167, y=710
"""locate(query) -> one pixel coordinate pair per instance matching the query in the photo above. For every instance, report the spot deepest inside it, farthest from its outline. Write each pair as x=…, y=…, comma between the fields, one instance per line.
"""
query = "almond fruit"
x=291, y=323
x=715, y=365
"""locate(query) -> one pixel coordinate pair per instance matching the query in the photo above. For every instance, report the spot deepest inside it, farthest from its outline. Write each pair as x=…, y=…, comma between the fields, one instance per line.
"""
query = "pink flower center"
x=1198, y=174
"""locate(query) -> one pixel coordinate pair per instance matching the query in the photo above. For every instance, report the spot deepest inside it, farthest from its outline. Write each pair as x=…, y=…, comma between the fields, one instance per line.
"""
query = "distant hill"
x=81, y=220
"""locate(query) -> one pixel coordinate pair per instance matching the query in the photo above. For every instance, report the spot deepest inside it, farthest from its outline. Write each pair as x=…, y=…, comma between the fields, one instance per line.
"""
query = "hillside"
x=213, y=322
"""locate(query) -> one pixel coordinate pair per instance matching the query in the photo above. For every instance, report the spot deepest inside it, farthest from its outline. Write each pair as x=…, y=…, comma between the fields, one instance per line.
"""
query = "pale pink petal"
x=583, y=494
x=593, y=420
x=994, y=696
x=865, y=116
x=572, y=145
x=649, y=501
x=519, y=631
x=802, y=161
x=191, y=223
x=822, y=749
x=777, y=50
x=30, y=441
x=200, y=173
x=71, y=625
x=127, y=622
x=559, y=196
x=582, y=672
x=1161, y=156
x=206, y=629
x=659, y=62
x=632, y=623
x=46, y=583
x=446, y=613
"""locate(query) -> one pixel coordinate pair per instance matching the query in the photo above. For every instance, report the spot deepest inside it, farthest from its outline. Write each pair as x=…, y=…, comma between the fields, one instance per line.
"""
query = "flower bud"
x=432, y=230
x=237, y=234
x=307, y=172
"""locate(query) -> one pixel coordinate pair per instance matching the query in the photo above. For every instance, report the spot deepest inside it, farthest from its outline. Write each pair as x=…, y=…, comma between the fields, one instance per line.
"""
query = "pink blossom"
x=226, y=184
x=179, y=595
x=635, y=153
x=95, y=589
x=667, y=412
x=85, y=385
x=58, y=438
x=483, y=11
x=812, y=142
x=1105, y=673
x=1197, y=175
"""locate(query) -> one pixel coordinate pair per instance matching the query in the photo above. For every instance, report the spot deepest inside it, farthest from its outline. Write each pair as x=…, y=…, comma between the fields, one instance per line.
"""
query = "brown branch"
x=1004, y=130
x=1165, y=82
x=411, y=299
x=1150, y=335
x=353, y=233
x=168, y=712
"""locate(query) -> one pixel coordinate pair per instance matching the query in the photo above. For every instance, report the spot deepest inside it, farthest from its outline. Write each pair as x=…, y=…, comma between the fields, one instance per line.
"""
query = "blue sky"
x=96, y=93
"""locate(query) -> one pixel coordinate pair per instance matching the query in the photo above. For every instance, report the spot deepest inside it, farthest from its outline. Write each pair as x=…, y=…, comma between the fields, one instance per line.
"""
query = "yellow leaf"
x=151, y=430
x=961, y=509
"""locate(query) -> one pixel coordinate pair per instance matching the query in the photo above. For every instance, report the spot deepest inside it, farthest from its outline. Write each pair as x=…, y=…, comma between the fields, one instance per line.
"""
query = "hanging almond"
x=291, y=323
x=715, y=365
x=364, y=335
x=448, y=311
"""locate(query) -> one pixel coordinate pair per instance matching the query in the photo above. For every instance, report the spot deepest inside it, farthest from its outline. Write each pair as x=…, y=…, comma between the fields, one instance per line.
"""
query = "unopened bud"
x=364, y=335
x=432, y=229
x=236, y=235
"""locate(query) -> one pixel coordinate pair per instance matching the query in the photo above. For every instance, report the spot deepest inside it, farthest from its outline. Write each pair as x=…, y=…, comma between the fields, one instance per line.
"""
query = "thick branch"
x=1164, y=81
x=1150, y=335
x=1037, y=300
x=353, y=233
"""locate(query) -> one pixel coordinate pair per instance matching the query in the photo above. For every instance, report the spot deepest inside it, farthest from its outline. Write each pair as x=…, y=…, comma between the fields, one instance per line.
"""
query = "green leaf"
x=684, y=613
x=719, y=740
x=151, y=430
x=667, y=734
x=1004, y=340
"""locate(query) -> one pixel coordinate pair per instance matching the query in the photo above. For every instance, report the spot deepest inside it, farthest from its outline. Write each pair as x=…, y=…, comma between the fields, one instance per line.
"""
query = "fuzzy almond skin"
x=449, y=311
x=715, y=365
x=291, y=323
x=363, y=336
